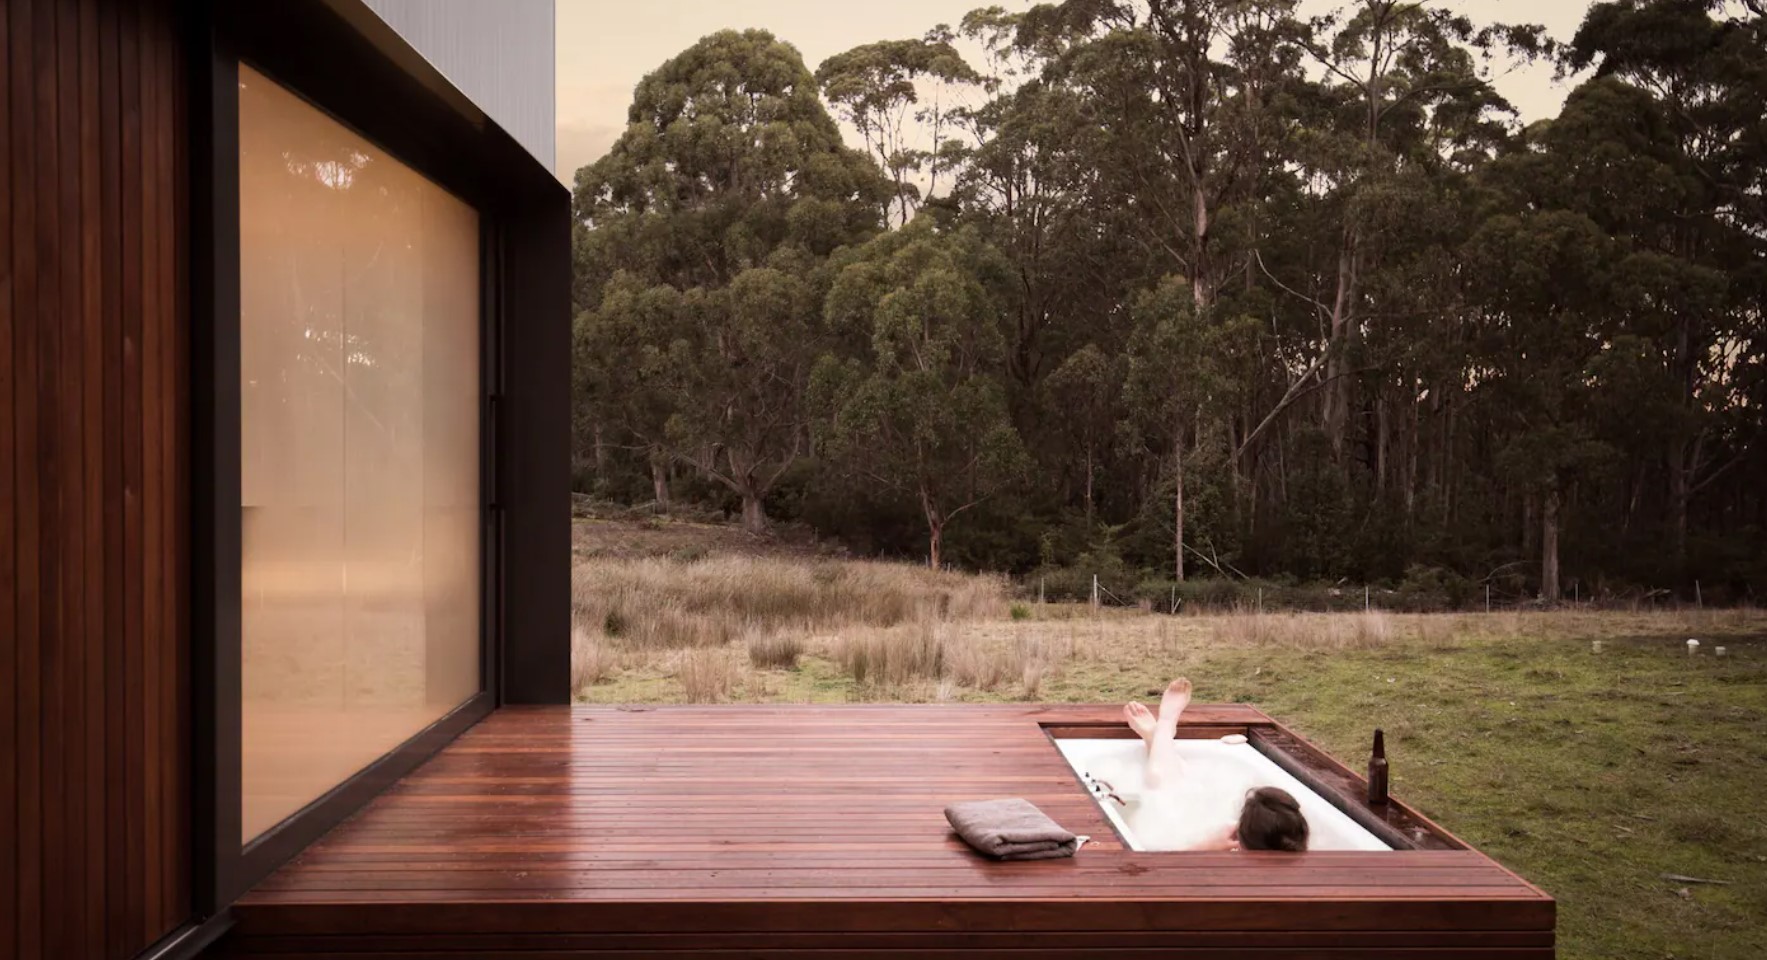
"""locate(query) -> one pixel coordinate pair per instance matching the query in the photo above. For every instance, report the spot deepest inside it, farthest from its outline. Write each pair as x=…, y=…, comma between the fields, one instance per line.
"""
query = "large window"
x=359, y=356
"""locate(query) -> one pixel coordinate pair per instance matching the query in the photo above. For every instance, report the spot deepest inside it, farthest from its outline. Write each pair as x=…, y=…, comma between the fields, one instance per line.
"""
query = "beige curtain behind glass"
x=359, y=357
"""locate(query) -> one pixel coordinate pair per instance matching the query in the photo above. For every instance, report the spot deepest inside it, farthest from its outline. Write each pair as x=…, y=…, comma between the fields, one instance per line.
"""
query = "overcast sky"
x=606, y=46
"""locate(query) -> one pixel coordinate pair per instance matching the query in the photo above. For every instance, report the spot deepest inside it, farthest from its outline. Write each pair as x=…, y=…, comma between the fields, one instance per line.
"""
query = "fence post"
x=1365, y=598
x=1095, y=593
x=1039, y=590
x=1487, y=598
x=1698, y=600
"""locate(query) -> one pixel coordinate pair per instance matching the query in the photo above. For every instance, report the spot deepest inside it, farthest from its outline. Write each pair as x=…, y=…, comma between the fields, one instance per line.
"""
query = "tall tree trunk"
x=1530, y=528
x=1549, y=545
x=754, y=518
x=1089, y=488
x=935, y=526
x=1201, y=283
x=1677, y=506
x=1680, y=483
x=1178, y=508
x=1381, y=440
x=1337, y=360
x=1450, y=479
x=659, y=481
x=599, y=445
x=1412, y=443
x=1634, y=487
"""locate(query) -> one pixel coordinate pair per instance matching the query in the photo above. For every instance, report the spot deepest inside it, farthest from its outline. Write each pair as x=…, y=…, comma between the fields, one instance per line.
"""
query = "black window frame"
x=340, y=58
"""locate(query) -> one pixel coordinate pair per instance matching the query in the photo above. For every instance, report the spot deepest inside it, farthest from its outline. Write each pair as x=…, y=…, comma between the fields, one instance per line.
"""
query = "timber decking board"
x=798, y=830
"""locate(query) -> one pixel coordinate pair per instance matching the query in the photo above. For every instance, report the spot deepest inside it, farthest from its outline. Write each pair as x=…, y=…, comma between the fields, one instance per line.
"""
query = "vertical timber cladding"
x=94, y=760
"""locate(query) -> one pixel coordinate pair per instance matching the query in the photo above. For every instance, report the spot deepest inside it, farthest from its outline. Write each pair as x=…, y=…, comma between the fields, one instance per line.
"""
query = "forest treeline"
x=1200, y=288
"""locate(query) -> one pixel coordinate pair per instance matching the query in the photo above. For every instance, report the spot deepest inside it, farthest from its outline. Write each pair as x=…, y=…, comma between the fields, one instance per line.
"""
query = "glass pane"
x=359, y=356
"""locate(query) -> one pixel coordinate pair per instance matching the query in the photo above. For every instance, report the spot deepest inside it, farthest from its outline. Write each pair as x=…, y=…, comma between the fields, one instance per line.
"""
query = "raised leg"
x=1140, y=720
x=1172, y=704
x=1163, y=763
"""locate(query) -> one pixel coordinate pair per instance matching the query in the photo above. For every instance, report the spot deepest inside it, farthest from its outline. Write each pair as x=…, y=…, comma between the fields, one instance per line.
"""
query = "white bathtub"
x=1217, y=776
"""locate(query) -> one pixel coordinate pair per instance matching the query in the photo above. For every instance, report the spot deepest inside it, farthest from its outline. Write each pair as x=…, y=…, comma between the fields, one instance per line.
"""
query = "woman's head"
x=1271, y=820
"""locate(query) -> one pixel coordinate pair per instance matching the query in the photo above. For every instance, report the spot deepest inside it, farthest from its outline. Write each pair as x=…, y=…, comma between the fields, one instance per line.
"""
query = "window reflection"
x=359, y=351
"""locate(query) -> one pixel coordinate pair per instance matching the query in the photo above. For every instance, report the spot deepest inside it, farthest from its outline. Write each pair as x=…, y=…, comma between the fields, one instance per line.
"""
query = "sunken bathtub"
x=1218, y=773
x=804, y=831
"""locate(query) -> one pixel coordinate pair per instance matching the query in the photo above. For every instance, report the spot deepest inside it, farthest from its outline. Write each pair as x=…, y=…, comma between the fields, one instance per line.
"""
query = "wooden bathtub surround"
x=765, y=831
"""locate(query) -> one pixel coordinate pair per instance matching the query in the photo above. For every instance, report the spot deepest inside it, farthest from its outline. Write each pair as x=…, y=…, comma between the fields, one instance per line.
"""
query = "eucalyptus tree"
x=1544, y=278
x=921, y=412
x=1669, y=151
x=877, y=87
x=1178, y=364
x=1181, y=95
x=729, y=188
x=1083, y=401
x=1402, y=98
x=1030, y=164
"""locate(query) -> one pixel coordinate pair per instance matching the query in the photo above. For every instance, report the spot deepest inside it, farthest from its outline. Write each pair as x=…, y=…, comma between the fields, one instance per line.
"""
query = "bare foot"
x=1172, y=704
x=1140, y=719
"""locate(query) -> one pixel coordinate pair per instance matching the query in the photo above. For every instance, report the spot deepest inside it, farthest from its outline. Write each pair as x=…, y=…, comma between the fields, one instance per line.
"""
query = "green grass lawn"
x=1590, y=775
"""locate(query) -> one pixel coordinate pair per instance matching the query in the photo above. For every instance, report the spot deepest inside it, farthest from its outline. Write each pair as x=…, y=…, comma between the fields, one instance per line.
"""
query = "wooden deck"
x=784, y=831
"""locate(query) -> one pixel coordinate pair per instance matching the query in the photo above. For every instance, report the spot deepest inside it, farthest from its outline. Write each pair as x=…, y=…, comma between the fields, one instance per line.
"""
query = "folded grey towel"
x=1010, y=830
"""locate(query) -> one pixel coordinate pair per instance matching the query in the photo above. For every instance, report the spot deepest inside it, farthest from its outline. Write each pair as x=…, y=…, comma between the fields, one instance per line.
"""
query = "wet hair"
x=1271, y=820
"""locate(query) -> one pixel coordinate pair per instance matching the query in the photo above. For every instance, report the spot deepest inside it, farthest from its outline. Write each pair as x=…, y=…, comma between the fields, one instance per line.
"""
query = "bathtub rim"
x=1394, y=823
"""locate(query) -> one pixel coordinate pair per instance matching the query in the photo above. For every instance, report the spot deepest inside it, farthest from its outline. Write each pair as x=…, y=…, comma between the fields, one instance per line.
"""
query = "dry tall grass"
x=634, y=609
x=1375, y=628
x=980, y=665
x=958, y=658
x=667, y=604
x=637, y=609
x=892, y=656
x=775, y=650
x=706, y=675
x=591, y=660
x=1328, y=631
x=740, y=627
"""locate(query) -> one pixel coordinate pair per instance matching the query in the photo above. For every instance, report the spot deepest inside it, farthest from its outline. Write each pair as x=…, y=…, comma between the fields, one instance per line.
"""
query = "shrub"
x=775, y=650
x=973, y=664
x=591, y=660
x=1021, y=612
x=706, y=675
x=691, y=553
x=1427, y=588
x=892, y=656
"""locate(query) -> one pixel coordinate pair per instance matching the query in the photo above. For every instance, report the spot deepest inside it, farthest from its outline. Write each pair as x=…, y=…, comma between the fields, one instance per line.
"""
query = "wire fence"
x=1215, y=595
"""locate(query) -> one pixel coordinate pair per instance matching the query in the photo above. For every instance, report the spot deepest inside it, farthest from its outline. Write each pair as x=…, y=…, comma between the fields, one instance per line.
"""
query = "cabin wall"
x=501, y=54
x=94, y=759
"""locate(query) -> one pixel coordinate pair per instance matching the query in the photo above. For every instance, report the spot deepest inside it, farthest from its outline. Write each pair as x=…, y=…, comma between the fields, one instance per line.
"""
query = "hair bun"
x=1279, y=798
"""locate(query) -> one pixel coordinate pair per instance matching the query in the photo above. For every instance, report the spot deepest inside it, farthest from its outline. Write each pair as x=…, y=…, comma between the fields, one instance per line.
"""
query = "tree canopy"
x=1214, y=286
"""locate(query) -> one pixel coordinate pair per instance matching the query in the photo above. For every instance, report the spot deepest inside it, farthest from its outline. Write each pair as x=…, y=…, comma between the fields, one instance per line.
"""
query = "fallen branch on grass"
x=1678, y=878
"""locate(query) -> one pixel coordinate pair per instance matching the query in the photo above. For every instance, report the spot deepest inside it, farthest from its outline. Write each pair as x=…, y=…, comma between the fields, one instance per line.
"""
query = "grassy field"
x=1594, y=775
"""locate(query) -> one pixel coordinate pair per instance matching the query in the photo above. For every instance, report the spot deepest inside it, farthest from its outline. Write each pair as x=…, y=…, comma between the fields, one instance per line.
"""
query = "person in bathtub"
x=1180, y=808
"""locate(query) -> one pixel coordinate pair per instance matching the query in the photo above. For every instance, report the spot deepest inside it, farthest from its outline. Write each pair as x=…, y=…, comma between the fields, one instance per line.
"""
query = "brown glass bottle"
x=1377, y=771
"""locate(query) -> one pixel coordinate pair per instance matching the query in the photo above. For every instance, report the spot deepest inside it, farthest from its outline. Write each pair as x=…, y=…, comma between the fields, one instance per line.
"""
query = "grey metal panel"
x=500, y=53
